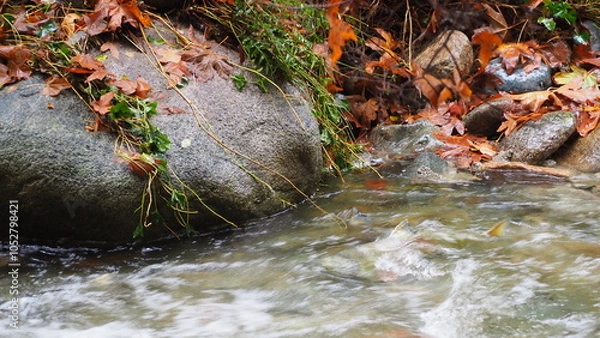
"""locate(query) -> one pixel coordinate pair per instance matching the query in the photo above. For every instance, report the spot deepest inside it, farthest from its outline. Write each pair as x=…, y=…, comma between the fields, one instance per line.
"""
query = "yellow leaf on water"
x=497, y=230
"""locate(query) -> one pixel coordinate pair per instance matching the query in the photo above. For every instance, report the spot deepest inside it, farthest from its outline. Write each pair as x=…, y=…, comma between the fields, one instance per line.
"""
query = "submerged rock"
x=233, y=151
x=400, y=255
x=405, y=140
x=537, y=140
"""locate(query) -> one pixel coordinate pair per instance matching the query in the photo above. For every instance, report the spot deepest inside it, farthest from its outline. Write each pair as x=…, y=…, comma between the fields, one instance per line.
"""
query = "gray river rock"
x=581, y=153
x=520, y=81
x=450, y=51
x=487, y=117
x=234, y=149
x=537, y=140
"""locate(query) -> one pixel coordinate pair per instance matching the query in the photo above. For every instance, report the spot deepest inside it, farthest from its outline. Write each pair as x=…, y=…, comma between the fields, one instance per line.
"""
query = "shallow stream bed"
x=413, y=261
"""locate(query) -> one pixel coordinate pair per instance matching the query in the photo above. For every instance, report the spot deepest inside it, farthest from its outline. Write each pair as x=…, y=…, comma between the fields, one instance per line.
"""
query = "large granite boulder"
x=246, y=154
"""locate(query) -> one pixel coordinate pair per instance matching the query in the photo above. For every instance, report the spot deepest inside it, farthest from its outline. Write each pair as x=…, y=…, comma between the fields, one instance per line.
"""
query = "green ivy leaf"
x=549, y=23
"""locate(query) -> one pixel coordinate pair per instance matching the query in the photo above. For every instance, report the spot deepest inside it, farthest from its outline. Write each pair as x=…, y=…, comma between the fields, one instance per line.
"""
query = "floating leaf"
x=497, y=230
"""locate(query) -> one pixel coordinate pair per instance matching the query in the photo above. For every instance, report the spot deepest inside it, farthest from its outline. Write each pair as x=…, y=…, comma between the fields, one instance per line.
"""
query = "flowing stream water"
x=413, y=261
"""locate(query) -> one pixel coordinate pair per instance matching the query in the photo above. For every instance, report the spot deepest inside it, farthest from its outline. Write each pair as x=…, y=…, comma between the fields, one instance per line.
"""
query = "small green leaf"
x=239, y=81
x=121, y=110
x=547, y=22
x=47, y=29
x=156, y=41
x=262, y=84
x=582, y=38
x=138, y=231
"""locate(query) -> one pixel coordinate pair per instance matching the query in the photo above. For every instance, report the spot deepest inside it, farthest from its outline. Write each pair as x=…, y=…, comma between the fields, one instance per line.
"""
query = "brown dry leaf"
x=574, y=91
x=28, y=21
x=485, y=148
x=139, y=87
x=509, y=125
x=54, y=85
x=103, y=105
x=514, y=121
x=588, y=120
x=519, y=53
x=112, y=47
x=556, y=54
x=496, y=21
x=87, y=61
x=167, y=55
x=13, y=63
x=386, y=45
x=465, y=149
x=89, y=65
x=533, y=101
x=110, y=15
x=430, y=87
x=447, y=116
x=204, y=64
x=363, y=111
x=71, y=24
x=177, y=71
x=173, y=110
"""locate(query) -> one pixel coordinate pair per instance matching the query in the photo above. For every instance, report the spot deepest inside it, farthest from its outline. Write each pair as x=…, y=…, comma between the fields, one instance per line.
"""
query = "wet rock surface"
x=520, y=81
x=405, y=140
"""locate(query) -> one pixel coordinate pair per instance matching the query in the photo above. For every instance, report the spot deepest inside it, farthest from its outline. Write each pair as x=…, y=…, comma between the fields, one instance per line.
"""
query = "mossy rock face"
x=71, y=186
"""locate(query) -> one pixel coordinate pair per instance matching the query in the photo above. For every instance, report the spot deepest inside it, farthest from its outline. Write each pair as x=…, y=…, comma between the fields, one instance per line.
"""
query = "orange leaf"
x=133, y=11
x=87, y=61
x=339, y=31
x=487, y=42
x=508, y=126
x=110, y=15
x=376, y=184
x=587, y=121
x=89, y=65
